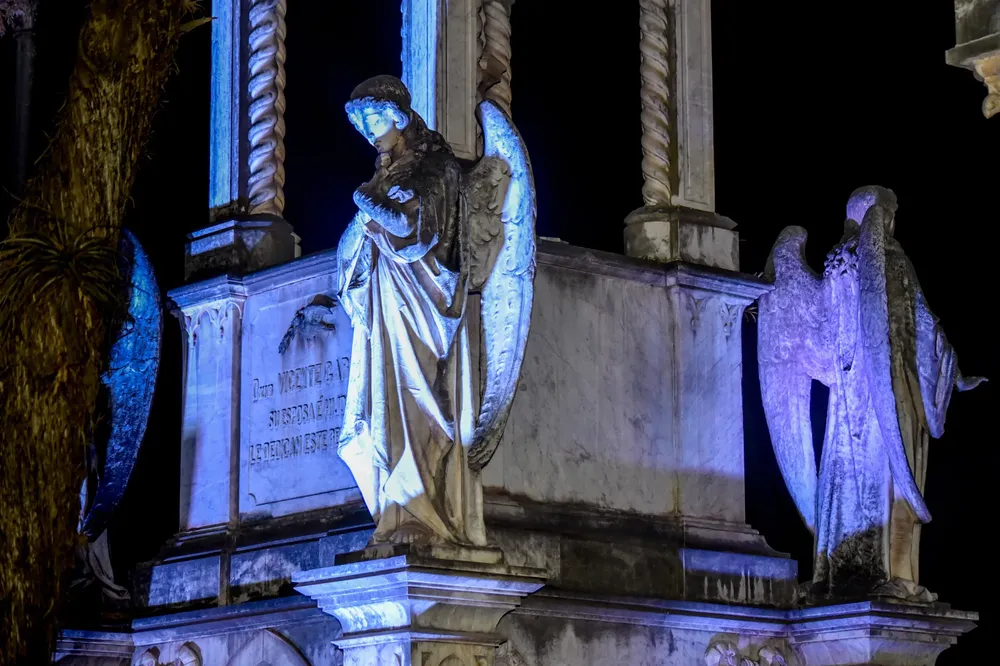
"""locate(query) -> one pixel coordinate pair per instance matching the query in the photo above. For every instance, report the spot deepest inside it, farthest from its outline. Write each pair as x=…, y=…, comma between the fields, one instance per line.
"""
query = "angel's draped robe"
x=866, y=532
x=409, y=419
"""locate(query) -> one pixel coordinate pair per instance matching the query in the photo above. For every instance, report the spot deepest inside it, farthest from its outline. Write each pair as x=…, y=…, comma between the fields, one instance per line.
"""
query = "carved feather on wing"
x=499, y=199
x=879, y=340
x=795, y=345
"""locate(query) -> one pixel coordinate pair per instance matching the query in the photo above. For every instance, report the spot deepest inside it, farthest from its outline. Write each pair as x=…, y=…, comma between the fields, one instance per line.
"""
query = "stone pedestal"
x=413, y=610
x=665, y=234
x=239, y=247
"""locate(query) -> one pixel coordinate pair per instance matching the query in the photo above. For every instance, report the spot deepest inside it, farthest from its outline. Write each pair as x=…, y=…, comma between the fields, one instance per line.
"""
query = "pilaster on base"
x=671, y=233
x=239, y=247
x=413, y=610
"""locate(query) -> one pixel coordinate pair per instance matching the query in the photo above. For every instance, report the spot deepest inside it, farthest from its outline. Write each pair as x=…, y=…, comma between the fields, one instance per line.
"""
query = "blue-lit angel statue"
x=864, y=330
x=128, y=382
x=429, y=231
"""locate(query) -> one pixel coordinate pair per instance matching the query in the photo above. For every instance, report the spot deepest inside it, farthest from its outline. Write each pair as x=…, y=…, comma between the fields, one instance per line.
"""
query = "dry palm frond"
x=58, y=286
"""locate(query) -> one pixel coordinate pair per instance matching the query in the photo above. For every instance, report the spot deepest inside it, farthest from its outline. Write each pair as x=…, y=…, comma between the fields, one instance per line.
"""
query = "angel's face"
x=380, y=128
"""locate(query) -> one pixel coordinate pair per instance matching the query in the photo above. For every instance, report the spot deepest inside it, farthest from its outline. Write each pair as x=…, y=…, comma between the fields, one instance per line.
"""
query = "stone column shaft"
x=495, y=61
x=441, y=46
x=654, y=49
x=678, y=220
x=266, y=92
x=247, y=154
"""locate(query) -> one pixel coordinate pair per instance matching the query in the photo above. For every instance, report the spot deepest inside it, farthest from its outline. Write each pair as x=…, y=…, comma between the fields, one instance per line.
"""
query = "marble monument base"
x=239, y=247
x=880, y=633
x=667, y=234
x=411, y=609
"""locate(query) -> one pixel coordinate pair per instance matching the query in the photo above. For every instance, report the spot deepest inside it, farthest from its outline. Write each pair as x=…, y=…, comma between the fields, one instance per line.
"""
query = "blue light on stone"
x=130, y=381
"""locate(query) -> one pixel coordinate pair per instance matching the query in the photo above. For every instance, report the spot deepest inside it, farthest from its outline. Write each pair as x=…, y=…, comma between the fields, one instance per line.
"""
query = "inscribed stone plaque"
x=293, y=403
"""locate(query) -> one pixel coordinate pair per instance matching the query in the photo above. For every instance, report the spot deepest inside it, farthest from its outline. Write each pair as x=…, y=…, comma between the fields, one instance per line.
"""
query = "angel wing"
x=499, y=197
x=795, y=345
x=883, y=343
x=130, y=381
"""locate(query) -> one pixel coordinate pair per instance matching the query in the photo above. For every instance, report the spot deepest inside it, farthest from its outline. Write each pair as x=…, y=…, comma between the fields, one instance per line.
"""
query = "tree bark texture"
x=58, y=287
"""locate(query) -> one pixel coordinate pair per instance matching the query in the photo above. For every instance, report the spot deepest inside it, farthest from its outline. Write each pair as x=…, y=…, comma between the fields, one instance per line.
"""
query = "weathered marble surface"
x=547, y=628
x=239, y=247
x=626, y=363
x=552, y=628
x=292, y=404
x=211, y=317
x=681, y=234
x=253, y=561
x=409, y=610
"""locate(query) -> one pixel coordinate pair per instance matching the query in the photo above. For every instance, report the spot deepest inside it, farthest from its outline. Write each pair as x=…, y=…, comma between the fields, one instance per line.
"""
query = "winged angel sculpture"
x=864, y=330
x=429, y=231
x=127, y=397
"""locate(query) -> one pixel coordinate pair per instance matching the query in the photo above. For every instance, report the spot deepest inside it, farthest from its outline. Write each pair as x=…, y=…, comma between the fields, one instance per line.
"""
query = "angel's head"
x=864, y=198
x=380, y=110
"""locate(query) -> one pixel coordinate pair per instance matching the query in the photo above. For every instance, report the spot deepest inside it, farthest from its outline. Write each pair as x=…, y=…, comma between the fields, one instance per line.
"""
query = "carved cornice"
x=266, y=87
x=654, y=49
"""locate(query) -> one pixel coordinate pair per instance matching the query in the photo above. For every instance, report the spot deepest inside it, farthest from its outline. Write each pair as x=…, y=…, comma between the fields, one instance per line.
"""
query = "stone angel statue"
x=429, y=231
x=863, y=329
x=128, y=385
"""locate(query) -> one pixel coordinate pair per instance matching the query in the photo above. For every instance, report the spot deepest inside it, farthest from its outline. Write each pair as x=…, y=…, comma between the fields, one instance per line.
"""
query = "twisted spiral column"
x=654, y=49
x=267, y=106
x=496, y=32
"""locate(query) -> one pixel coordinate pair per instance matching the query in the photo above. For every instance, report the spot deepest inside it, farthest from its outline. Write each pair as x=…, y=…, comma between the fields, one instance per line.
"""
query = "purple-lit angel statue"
x=864, y=330
x=429, y=231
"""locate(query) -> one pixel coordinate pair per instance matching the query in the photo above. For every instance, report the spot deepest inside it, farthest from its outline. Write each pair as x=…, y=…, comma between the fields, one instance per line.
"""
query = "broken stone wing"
x=795, y=345
x=499, y=199
x=130, y=381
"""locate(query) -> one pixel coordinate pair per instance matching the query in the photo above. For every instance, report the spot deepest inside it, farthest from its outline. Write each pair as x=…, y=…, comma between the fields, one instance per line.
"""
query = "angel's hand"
x=399, y=194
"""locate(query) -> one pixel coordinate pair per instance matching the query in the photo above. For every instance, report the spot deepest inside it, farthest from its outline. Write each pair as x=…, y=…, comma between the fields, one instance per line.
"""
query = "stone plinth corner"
x=412, y=609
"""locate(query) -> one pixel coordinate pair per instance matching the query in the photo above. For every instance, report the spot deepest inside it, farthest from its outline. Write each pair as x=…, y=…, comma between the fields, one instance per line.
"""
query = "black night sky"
x=811, y=102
